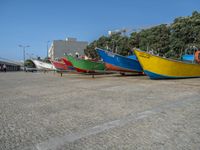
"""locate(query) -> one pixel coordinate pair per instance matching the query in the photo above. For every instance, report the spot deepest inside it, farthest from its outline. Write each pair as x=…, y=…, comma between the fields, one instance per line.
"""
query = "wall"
x=59, y=47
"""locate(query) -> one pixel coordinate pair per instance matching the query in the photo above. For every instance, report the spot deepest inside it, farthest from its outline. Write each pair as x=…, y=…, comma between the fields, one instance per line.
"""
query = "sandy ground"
x=47, y=112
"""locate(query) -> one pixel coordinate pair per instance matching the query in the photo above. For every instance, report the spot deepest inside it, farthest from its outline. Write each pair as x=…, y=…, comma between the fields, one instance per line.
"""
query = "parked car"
x=28, y=69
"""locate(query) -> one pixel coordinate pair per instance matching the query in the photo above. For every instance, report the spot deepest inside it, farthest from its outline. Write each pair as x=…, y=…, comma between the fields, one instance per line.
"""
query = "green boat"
x=85, y=66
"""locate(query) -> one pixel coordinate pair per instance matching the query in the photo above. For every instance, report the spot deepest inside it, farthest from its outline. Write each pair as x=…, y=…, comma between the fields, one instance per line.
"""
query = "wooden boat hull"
x=43, y=65
x=84, y=71
x=161, y=68
x=68, y=63
x=116, y=68
x=59, y=65
x=85, y=66
x=119, y=63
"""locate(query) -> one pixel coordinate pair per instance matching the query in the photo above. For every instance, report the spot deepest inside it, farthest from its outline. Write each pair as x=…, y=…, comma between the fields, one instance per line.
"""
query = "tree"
x=115, y=43
x=156, y=39
x=185, y=32
x=169, y=40
x=134, y=40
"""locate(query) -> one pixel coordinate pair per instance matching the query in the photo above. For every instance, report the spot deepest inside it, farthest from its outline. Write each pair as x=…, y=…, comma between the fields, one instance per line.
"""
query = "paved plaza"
x=43, y=111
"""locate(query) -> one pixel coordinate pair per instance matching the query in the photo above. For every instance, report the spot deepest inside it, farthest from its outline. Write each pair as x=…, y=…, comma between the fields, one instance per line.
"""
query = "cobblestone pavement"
x=47, y=112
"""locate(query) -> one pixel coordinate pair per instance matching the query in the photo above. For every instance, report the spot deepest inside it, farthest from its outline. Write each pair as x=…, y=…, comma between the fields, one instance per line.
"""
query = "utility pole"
x=24, y=50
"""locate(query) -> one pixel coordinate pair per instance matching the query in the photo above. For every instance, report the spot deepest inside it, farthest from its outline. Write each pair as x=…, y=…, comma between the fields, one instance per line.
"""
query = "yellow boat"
x=157, y=67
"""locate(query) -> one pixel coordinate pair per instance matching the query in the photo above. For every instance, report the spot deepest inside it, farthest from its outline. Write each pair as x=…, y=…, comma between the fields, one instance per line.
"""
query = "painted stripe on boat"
x=153, y=75
x=120, y=69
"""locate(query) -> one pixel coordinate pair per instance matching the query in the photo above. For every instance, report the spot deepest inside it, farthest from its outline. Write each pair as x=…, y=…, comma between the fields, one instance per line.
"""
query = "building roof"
x=9, y=62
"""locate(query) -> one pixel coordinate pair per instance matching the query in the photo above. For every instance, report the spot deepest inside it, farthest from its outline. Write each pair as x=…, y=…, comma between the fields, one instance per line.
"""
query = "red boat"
x=83, y=71
x=67, y=63
x=70, y=66
x=59, y=65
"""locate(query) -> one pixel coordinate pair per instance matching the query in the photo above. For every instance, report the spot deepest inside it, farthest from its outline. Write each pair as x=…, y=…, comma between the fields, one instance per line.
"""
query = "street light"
x=24, y=48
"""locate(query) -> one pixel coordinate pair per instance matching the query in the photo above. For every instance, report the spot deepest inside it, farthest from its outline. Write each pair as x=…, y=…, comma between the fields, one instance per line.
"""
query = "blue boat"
x=188, y=57
x=189, y=54
x=116, y=62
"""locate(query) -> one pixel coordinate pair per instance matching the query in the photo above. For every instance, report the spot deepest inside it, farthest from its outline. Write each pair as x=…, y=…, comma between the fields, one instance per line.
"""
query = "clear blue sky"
x=34, y=22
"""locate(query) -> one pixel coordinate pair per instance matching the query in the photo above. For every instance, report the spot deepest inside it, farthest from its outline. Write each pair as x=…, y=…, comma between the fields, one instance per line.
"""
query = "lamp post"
x=47, y=48
x=24, y=48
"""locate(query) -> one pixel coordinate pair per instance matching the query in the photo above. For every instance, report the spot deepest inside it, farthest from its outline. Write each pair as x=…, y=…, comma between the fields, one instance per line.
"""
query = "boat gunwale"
x=58, y=62
x=168, y=59
x=80, y=59
x=116, y=54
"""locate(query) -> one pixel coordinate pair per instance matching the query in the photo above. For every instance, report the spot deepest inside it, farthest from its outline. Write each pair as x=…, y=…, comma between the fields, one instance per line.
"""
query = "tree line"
x=169, y=40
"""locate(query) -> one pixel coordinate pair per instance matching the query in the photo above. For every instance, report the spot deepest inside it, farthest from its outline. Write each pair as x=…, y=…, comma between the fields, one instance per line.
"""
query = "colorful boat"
x=189, y=54
x=40, y=65
x=86, y=66
x=119, y=63
x=187, y=57
x=67, y=63
x=59, y=65
x=162, y=68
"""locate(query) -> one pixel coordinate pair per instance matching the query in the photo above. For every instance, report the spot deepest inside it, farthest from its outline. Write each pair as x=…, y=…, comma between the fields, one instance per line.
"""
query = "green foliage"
x=156, y=39
x=134, y=40
x=168, y=40
x=116, y=43
x=185, y=32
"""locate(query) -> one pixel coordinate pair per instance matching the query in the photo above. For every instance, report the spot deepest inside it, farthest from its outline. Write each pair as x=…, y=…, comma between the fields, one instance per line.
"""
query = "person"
x=4, y=67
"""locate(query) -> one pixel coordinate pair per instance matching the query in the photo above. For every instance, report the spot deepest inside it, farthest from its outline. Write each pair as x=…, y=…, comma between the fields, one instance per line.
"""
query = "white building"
x=68, y=46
